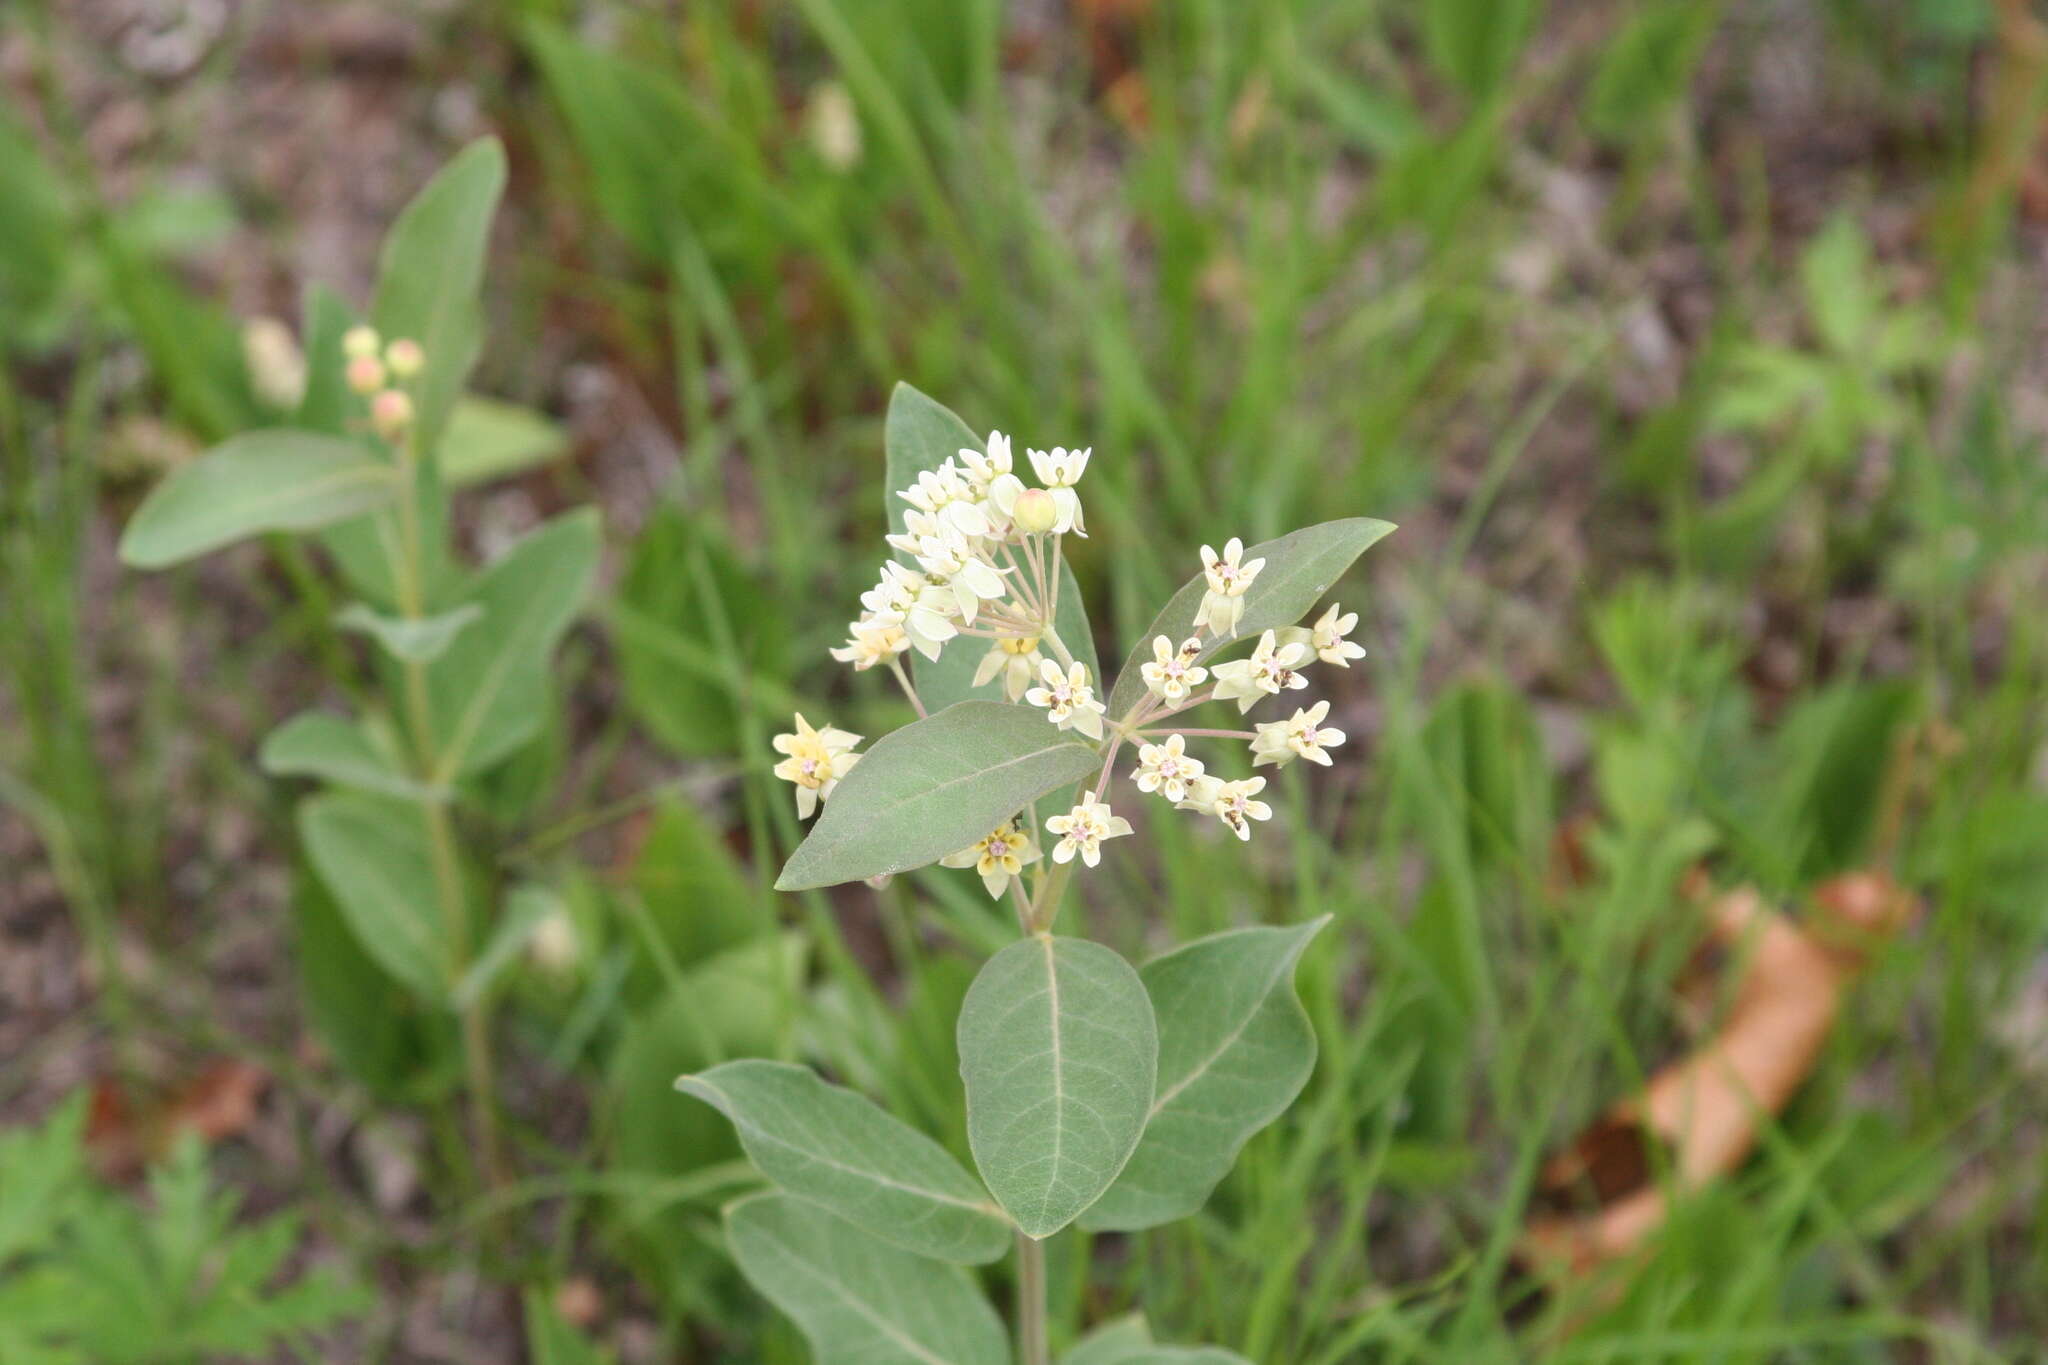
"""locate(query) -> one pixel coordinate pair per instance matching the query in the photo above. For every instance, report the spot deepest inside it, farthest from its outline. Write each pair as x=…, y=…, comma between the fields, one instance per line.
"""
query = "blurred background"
x=1696, y=347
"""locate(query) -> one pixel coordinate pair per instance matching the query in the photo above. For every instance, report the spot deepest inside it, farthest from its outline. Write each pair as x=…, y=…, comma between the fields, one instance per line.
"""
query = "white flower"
x=984, y=468
x=1083, y=829
x=1173, y=673
x=1016, y=658
x=1327, y=639
x=998, y=856
x=1059, y=470
x=816, y=760
x=943, y=493
x=1167, y=769
x=1296, y=737
x=1068, y=700
x=970, y=579
x=872, y=640
x=924, y=609
x=1269, y=670
x=1230, y=802
x=1228, y=576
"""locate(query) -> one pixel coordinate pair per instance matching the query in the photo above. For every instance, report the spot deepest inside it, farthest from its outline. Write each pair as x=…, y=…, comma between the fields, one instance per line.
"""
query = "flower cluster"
x=379, y=372
x=979, y=556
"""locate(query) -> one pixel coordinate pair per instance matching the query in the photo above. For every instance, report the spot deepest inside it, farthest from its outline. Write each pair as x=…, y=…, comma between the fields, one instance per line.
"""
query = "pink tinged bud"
x=390, y=413
x=1036, y=512
x=366, y=374
x=405, y=357
x=360, y=343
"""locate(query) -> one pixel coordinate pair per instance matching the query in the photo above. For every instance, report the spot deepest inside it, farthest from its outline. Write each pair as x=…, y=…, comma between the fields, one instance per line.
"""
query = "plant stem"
x=1046, y=905
x=1031, y=1346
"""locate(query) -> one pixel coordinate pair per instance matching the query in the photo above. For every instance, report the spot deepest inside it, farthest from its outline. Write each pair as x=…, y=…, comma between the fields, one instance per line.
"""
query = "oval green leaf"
x=315, y=744
x=373, y=858
x=841, y=1150
x=431, y=276
x=419, y=640
x=1300, y=567
x=1235, y=1049
x=859, y=1300
x=258, y=481
x=1058, y=1051
x=488, y=691
x=933, y=788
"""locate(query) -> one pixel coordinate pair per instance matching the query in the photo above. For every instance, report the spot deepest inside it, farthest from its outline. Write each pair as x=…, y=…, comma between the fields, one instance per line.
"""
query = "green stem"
x=1045, y=907
x=1031, y=1346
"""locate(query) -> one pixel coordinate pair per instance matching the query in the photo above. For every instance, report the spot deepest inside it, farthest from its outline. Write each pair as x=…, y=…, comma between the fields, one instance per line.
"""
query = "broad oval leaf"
x=431, y=275
x=272, y=480
x=419, y=640
x=934, y=787
x=920, y=434
x=841, y=1150
x=1235, y=1049
x=315, y=744
x=859, y=1300
x=489, y=438
x=1112, y=1343
x=1058, y=1051
x=487, y=692
x=1300, y=567
x=373, y=858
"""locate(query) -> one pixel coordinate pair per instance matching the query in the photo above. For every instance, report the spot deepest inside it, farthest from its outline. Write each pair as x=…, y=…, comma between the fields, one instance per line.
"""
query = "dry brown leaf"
x=1703, y=1110
x=125, y=1134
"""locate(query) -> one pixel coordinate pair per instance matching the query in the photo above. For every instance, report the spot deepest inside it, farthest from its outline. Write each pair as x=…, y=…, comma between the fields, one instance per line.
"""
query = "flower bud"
x=405, y=357
x=360, y=343
x=391, y=414
x=277, y=370
x=554, y=945
x=366, y=374
x=1036, y=512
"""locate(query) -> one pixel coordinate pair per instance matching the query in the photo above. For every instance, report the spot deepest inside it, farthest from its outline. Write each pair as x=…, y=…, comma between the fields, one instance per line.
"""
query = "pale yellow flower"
x=872, y=640
x=998, y=856
x=1173, y=673
x=1327, y=639
x=1068, y=700
x=816, y=760
x=1083, y=829
x=1227, y=577
x=1296, y=737
x=1059, y=469
x=1016, y=659
x=1269, y=671
x=1230, y=802
x=1167, y=768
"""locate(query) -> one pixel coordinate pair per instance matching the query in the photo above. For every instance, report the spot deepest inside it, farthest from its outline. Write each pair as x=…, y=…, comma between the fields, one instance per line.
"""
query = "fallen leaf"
x=125, y=1134
x=1703, y=1110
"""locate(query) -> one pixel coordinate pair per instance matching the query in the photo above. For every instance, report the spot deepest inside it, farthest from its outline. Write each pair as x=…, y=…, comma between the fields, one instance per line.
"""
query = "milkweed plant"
x=1099, y=1095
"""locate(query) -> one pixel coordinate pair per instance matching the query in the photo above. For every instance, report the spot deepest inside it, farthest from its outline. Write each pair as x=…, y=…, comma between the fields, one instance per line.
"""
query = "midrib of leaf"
x=976, y=1205
x=1059, y=1084
x=1229, y=1041
x=480, y=701
x=366, y=472
x=846, y=1296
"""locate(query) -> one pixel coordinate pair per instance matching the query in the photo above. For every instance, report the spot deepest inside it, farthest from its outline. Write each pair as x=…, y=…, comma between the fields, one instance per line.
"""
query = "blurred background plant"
x=1693, y=346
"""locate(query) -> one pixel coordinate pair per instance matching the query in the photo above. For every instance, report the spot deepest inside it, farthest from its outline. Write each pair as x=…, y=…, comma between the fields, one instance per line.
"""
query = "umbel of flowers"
x=987, y=551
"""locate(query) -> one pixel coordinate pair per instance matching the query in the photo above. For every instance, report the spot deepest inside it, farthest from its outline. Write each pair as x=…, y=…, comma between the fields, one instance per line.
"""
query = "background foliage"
x=1692, y=346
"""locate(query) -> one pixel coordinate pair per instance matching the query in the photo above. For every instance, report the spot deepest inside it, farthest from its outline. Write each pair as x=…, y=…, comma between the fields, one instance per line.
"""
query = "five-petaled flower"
x=1083, y=829
x=1266, y=673
x=1068, y=700
x=1327, y=638
x=871, y=641
x=1227, y=575
x=816, y=760
x=998, y=856
x=1173, y=673
x=1167, y=768
x=1016, y=658
x=1230, y=802
x=1059, y=469
x=1296, y=737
